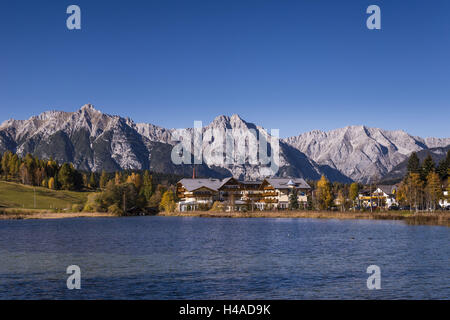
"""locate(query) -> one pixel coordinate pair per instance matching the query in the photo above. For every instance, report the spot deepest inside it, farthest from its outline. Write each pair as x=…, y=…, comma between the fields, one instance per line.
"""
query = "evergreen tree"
x=147, y=187
x=92, y=181
x=103, y=179
x=442, y=168
x=293, y=200
x=66, y=177
x=427, y=167
x=413, y=164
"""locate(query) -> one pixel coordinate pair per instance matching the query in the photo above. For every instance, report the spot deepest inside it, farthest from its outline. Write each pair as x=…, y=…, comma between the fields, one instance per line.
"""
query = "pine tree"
x=66, y=177
x=92, y=181
x=293, y=200
x=103, y=179
x=413, y=164
x=427, y=167
x=442, y=169
x=147, y=185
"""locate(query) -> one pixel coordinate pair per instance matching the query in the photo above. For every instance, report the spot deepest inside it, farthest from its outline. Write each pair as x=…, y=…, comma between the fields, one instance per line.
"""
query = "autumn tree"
x=324, y=196
x=103, y=179
x=5, y=163
x=433, y=190
x=14, y=165
x=51, y=183
x=341, y=199
x=353, y=192
x=415, y=188
x=167, y=201
x=117, y=178
x=135, y=178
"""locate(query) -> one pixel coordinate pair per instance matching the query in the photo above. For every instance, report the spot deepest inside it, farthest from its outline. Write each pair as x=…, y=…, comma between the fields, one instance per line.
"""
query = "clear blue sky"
x=294, y=65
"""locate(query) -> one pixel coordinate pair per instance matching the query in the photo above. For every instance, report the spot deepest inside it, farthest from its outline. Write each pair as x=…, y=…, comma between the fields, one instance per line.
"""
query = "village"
x=231, y=194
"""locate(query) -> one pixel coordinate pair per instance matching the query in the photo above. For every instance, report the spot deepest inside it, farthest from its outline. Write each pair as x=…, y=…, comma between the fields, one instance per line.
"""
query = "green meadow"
x=14, y=195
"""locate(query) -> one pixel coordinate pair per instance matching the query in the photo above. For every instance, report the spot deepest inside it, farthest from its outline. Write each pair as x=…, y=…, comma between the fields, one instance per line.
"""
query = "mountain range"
x=95, y=141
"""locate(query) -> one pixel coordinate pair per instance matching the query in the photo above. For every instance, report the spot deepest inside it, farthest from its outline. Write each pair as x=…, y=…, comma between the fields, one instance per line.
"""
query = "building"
x=382, y=197
x=235, y=195
x=193, y=194
x=444, y=203
x=276, y=192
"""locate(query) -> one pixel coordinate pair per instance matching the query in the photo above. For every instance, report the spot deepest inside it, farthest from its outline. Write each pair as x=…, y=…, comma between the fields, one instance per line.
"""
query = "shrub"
x=217, y=206
x=114, y=209
x=167, y=202
x=93, y=203
x=77, y=208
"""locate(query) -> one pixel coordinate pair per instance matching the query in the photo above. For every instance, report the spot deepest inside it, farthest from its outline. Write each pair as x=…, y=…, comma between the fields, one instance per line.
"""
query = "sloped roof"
x=282, y=183
x=194, y=184
x=251, y=182
x=388, y=189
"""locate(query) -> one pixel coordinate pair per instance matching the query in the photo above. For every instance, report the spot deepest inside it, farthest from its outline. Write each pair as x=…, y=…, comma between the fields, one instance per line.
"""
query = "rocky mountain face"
x=94, y=141
x=359, y=152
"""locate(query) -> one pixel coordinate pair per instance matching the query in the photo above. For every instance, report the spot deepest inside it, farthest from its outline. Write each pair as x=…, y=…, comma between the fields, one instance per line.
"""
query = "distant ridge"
x=95, y=141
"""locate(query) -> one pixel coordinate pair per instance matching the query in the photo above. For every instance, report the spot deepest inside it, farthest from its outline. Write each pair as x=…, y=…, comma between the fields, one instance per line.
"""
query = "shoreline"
x=54, y=215
x=420, y=218
x=412, y=218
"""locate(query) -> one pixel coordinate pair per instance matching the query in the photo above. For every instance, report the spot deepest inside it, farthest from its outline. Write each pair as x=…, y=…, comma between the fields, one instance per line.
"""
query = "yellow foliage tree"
x=433, y=190
x=167, y=201
x=323, y=195
x=51, y=183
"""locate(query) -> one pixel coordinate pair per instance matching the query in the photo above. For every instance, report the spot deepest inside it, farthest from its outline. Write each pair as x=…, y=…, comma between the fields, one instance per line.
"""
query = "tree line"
x=421, y=188
x=122, y=193
x=424, y=183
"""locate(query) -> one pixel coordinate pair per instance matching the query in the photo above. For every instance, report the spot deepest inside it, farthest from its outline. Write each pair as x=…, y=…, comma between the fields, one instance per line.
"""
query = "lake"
x=221, y=258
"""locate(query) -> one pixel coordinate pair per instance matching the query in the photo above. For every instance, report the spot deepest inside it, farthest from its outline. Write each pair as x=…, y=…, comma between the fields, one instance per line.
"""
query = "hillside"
x=14, y=195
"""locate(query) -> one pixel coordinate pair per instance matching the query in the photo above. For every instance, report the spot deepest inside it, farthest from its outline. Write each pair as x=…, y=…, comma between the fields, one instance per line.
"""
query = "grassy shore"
x=19, y=201
x=19, y=196
x=440, y=218
x=15, y=214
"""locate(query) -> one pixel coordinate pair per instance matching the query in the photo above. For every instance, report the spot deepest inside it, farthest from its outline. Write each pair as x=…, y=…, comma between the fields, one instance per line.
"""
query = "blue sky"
x=294, y=65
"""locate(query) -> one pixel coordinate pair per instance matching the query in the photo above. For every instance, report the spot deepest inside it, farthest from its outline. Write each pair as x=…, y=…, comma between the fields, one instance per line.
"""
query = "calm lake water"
x=201, y=258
